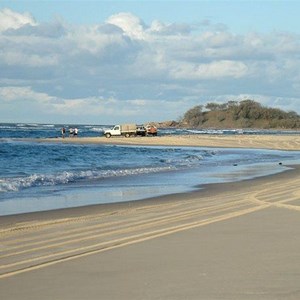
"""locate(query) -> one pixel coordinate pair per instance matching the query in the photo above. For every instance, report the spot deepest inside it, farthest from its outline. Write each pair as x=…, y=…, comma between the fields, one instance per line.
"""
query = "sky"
x=108, y=62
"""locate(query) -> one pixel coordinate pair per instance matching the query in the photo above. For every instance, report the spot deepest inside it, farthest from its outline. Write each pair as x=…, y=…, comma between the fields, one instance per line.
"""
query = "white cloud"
x=13, y=20
x=19, y=58
x=129, y=23
x=125, y=68
x=96, y=108
x=15, y=94
x=213, y=70
x=160, y=28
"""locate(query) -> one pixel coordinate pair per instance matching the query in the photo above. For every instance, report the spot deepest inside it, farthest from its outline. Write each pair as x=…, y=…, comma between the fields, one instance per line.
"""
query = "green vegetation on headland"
x=238, y=114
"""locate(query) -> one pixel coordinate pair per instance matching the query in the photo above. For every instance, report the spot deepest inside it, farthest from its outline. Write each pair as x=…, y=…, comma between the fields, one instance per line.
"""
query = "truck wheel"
x=108, y=135
x=127, y=135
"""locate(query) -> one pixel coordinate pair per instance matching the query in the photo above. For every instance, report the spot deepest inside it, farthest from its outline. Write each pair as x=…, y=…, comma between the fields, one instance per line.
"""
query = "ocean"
x=36, y=176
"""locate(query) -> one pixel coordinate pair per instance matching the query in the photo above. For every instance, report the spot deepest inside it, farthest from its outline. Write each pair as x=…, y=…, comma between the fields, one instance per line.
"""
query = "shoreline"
x=275, y=142
x=203, y=190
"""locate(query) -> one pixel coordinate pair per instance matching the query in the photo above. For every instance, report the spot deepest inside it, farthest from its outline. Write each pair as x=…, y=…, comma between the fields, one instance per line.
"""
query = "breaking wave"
x=35, y=180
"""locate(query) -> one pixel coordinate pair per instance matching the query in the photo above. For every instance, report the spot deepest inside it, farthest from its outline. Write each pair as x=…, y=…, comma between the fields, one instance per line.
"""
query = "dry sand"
x=281, y=142
x=228, y=241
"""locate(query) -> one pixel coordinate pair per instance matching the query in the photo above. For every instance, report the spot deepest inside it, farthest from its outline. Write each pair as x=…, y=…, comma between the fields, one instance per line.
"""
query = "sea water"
x=37, y=176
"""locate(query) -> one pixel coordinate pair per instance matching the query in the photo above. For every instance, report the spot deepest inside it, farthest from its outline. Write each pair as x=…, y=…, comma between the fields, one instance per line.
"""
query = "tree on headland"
x=216, y=106
x=194, y=116
x=239, y=114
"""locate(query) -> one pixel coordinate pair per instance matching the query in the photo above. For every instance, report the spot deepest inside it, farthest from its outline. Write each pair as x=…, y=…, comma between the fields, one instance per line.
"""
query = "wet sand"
x=229, y=241
x=280, y=142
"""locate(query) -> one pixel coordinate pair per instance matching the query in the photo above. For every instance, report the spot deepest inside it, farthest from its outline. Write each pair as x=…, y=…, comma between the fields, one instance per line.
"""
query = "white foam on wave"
x=97, y=129
x=7, y=127
x=34, y=180
x=215, y=131
x=48, y=125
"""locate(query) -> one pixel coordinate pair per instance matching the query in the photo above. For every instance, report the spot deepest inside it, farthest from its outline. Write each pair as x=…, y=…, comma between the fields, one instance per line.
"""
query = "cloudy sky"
x=105, y=62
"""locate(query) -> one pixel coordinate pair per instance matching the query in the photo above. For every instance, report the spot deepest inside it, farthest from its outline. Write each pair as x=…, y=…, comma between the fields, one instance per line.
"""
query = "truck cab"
x=116, y=130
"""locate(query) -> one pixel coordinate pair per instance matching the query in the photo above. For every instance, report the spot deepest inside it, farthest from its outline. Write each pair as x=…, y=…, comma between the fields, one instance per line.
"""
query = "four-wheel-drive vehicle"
x=151, y=130
x=126, y=130
x=141, y=130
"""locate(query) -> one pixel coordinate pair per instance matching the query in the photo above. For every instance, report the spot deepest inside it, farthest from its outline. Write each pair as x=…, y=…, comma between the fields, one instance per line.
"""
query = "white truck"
x=126, y=130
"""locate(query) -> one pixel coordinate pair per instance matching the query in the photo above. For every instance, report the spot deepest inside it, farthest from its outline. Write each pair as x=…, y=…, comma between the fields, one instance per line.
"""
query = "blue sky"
x=117, y=61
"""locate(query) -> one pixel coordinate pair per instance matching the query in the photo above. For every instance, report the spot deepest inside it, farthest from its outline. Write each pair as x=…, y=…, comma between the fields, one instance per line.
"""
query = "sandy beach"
x=280, y=142
x=227, y=241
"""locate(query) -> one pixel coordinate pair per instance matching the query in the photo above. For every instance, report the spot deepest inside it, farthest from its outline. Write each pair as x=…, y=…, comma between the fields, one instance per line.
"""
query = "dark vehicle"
x=141, y=130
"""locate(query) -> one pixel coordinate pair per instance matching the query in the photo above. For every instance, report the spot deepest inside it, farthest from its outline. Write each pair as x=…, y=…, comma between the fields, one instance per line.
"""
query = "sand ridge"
x=280, y=142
